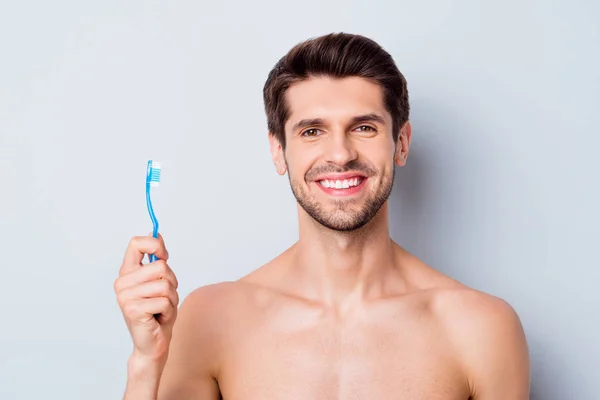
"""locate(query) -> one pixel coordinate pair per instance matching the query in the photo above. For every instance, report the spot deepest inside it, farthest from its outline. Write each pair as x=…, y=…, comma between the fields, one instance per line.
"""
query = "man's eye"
x=311, y=132
x=366, y=128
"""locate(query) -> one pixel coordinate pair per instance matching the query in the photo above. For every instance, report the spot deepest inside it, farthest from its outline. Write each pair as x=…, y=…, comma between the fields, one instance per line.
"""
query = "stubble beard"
x=345, y=217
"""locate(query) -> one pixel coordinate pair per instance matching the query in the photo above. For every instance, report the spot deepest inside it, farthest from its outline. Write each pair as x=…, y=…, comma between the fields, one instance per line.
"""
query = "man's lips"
x=339, y=177
x=349, y=185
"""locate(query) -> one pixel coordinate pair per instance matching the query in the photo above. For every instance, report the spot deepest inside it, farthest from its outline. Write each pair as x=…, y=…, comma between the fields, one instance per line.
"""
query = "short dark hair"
x=336, y=55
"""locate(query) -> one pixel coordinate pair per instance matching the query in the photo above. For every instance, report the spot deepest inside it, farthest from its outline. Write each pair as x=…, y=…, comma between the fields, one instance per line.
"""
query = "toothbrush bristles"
x=155, y=173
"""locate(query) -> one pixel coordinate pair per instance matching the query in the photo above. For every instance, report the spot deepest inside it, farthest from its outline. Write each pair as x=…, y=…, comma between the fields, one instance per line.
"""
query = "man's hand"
x=147, y=296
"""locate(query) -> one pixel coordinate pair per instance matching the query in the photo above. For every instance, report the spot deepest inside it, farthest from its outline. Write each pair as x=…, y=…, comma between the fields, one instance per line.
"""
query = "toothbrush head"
x=153, y=173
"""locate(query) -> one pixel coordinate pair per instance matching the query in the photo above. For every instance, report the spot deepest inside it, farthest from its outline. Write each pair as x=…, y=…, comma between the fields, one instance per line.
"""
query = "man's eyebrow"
x=303, y=123
x=372, y=117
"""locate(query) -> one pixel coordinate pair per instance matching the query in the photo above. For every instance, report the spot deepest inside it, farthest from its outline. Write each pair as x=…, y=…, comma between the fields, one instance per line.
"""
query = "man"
x=345, y=313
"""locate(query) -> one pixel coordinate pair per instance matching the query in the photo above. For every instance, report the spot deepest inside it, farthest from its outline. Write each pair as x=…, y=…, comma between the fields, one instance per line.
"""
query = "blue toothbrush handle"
x=152, y=257
x=155, y=235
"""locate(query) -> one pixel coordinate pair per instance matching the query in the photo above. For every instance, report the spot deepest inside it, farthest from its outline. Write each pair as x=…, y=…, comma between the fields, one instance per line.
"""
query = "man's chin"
x=341, y=221
x=342, y=215
x=343, y=226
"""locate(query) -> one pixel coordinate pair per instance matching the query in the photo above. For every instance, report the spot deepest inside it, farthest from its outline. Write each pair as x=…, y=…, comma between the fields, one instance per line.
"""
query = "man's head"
x=337, y=110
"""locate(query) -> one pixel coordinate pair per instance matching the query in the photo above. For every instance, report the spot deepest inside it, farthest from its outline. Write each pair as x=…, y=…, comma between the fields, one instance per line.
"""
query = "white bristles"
x=154, y=172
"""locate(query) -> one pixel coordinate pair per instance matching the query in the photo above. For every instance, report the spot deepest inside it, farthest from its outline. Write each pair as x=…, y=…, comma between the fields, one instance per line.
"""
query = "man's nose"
x=340, y=149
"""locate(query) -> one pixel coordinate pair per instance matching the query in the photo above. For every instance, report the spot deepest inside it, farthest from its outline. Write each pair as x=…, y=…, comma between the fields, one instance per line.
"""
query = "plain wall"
x=501, y=189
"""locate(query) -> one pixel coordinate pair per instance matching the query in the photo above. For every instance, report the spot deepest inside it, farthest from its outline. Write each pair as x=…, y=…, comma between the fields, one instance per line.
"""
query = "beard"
x=346, y=215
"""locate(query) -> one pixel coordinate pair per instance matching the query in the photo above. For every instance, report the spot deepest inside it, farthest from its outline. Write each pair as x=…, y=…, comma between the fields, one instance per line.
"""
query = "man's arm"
x=189, y=372
x=492, y=347
x=500, y=359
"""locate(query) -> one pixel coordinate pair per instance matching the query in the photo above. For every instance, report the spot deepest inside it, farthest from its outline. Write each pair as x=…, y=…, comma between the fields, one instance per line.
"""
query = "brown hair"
x=337, y=55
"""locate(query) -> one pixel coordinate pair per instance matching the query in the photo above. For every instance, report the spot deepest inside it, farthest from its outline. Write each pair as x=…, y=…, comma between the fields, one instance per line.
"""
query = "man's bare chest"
x=362, y=362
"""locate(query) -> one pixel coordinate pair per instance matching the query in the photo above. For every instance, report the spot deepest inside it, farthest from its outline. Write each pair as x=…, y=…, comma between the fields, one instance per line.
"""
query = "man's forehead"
x=323, y=97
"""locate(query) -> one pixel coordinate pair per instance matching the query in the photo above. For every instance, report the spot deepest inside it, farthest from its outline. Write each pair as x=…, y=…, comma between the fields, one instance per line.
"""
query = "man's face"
x=340, y=151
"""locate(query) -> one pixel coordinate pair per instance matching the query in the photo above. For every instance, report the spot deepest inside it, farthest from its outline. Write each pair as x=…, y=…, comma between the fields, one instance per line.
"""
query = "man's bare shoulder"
x=214, y=299
x=484, y=331
x=212, y=292
x=487, y=337
x=470, y=313
x=202, y=311
x=464, y=312
x=456, y=305
x=221, y=303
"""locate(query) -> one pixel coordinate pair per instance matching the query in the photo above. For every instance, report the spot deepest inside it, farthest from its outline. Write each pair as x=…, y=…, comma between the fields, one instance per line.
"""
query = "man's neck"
x=342, y=269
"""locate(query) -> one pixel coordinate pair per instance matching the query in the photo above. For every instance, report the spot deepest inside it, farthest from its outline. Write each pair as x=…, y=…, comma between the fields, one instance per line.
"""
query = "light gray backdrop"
x=501, y=190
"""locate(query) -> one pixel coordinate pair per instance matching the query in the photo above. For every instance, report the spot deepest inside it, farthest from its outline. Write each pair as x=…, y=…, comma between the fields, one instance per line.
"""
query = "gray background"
x=501, y=190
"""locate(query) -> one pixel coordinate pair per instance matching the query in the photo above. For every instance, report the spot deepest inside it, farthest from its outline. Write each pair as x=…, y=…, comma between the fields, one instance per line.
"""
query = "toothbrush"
x=152, y=180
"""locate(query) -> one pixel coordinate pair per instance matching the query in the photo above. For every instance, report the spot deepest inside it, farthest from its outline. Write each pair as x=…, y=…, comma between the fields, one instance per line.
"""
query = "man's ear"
x=277, y=154
x=403, y=144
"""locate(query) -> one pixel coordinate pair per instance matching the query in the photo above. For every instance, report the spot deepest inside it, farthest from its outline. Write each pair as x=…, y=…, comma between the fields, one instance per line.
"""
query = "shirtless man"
x=345, y=313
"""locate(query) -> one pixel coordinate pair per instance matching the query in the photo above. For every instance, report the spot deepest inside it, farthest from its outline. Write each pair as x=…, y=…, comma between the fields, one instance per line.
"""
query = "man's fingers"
x=161, y=239
x=162, y=252
x=151, y=272
x=166, y=313
x=144, y=309
x=138, y=247
x=153, y=289
x=162, y=246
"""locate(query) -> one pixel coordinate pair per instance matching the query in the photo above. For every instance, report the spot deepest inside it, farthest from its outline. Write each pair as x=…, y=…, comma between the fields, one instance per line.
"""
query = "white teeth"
x=345, y=184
